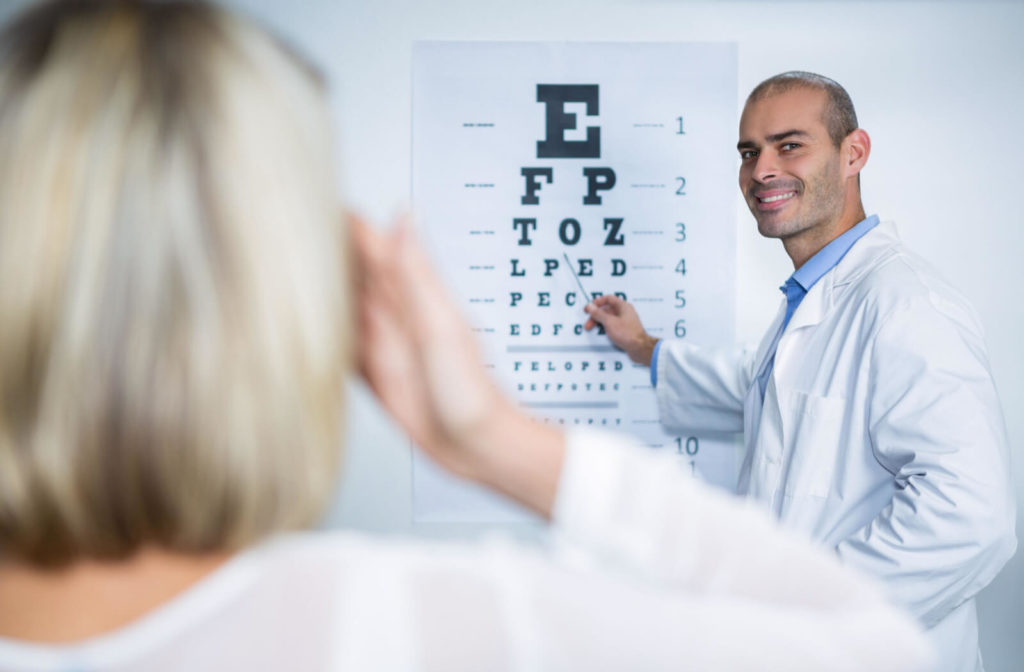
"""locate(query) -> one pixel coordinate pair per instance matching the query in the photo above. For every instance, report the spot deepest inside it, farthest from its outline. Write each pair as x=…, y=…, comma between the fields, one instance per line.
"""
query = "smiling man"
x=870, y=419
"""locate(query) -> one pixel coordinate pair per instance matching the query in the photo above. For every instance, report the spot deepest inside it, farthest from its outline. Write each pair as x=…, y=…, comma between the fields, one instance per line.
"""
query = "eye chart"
x=544, y=171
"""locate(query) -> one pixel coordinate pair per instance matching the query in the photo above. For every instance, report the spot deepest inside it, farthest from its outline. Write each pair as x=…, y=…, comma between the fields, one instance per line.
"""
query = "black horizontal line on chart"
x=569, y=404
x=648, y=300
x=648, y=125
x=481, y=268
x=647, y=186
x=481, y=300
x=648, y=268
x=561, y=348
x=478, y=124
x=655, y=445
x=640, y=366
x=655, y=329
x=642, y=387
x=654, y=232
x=476, y=232
x=479, y=185
x=486, y=330
x=645, y=422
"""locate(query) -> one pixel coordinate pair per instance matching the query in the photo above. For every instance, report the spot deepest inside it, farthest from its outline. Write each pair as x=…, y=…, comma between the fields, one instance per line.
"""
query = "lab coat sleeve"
x=703, y=388
x=935, y=422
x=789, y=604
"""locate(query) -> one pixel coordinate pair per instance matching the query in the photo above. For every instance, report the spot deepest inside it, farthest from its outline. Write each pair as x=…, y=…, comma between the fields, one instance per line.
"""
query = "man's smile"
x=772, y=200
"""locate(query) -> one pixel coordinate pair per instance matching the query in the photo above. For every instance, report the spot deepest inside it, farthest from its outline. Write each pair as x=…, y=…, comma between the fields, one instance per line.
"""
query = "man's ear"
x=855, y=150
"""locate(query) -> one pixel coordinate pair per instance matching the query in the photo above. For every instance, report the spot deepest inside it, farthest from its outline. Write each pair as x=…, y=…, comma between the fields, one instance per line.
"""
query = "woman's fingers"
x=417, y=352
x=391, y=369
x=387, y=358
x=462, y=394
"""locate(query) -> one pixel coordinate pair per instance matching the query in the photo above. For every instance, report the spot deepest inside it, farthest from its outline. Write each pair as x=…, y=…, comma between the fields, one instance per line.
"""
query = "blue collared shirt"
x=796, y=288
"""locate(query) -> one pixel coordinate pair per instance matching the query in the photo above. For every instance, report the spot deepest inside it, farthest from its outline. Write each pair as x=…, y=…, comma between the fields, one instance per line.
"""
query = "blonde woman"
x=175, y=331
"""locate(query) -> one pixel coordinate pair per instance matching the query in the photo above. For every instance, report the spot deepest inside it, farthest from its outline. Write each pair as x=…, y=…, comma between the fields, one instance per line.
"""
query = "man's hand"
x=622, y=325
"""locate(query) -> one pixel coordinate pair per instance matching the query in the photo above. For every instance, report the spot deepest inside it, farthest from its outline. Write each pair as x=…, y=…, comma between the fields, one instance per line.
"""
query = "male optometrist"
x=869, y=414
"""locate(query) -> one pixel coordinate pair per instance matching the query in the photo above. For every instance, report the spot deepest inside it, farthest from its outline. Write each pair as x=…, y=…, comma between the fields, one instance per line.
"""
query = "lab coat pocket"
x=812, y=429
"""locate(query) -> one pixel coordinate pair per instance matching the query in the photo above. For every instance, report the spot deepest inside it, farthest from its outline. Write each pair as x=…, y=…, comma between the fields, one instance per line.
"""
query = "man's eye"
x=748, y=154
x=789, y=146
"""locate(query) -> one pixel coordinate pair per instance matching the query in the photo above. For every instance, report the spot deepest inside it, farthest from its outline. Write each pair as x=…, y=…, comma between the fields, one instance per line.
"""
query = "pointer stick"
x=573, y=271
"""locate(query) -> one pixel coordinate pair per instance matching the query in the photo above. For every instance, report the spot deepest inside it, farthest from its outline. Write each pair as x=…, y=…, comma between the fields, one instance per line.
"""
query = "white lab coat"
x=880, y=433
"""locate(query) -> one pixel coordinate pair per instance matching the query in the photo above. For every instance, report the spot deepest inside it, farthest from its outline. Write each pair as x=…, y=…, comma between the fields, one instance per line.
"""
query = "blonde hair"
x=174, y=309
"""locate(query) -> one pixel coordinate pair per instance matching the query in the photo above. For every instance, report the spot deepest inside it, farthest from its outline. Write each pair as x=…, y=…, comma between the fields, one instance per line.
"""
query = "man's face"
x=789, y=173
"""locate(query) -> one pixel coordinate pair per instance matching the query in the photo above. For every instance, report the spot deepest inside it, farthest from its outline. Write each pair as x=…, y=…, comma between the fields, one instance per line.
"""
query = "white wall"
x=939, y=85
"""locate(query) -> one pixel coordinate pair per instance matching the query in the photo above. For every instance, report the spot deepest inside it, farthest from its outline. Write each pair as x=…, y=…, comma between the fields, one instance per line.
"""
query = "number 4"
x=681, y=267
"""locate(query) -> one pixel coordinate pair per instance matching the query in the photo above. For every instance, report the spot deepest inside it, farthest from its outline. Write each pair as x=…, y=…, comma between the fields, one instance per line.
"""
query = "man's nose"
x=766, y=167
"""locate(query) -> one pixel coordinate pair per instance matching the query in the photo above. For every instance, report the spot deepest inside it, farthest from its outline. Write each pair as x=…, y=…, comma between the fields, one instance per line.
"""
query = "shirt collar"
x=828, y=256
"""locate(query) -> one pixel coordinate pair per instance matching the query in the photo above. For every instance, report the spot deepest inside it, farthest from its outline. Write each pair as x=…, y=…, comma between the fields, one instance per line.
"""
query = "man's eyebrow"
x=773, y=138
x=776, y=137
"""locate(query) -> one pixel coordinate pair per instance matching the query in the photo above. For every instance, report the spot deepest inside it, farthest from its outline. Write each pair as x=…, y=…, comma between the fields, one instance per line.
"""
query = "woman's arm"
x=705, y=558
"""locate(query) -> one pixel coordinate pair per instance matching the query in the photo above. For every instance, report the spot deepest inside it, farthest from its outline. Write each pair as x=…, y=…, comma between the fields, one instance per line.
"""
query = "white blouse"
x=649, y=570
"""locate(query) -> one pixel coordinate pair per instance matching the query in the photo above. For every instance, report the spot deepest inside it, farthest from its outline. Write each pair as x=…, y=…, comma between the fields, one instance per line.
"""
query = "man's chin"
x=771, y=227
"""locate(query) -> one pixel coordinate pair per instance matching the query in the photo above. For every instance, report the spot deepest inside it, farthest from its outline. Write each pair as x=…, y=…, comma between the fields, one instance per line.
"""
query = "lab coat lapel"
x=812, y=309
x=765, y=349
x=809, y=313
x=863, y=256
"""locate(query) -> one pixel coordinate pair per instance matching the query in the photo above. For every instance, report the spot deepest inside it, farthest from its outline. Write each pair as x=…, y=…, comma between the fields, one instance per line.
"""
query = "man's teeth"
x=772, y=199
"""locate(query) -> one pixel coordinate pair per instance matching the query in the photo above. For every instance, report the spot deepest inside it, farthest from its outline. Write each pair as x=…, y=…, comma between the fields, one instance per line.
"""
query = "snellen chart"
x=548, y=173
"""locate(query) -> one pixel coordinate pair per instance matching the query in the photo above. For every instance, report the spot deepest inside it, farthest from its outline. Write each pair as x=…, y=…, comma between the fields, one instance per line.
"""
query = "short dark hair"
x=840, y=117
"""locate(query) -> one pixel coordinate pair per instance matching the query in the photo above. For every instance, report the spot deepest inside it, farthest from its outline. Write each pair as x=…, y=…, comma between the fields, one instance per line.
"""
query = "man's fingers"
x=607, y=301
x=600, y=312
x=597, y=316
x=606, y=304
